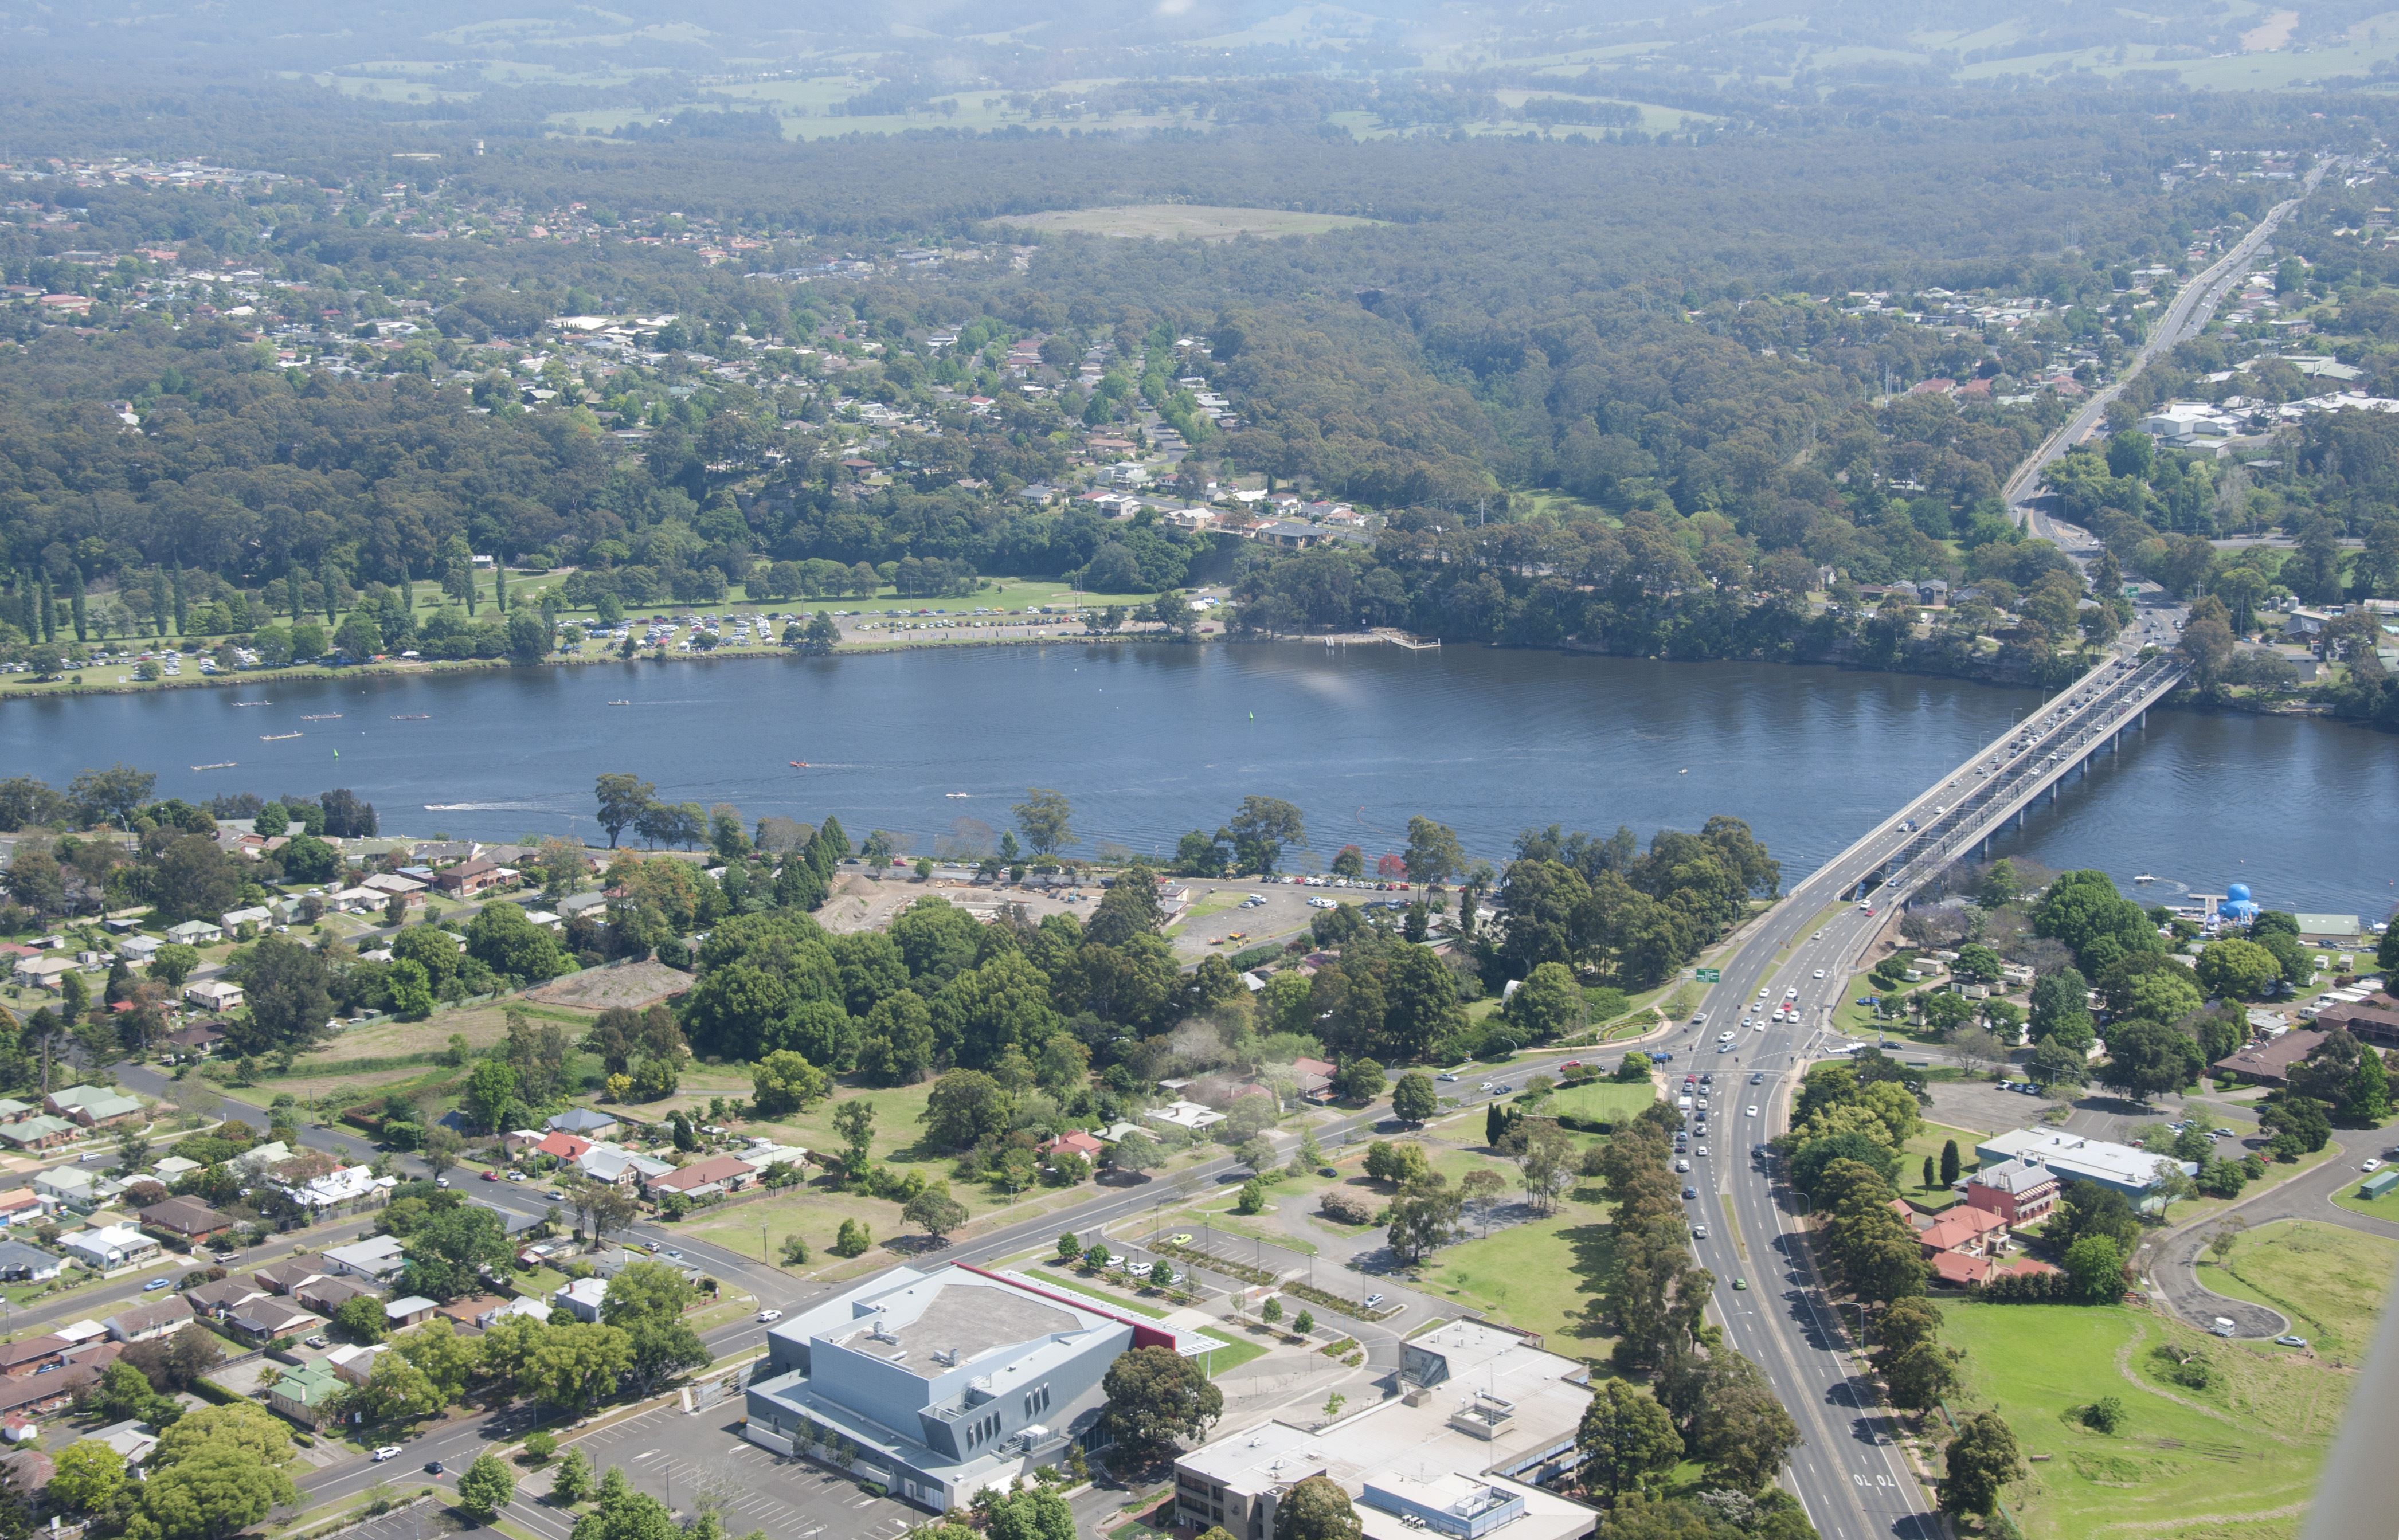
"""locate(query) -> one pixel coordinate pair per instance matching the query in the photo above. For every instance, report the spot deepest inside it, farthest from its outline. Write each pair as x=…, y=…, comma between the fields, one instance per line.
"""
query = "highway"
x=2190, y=311
x=1794, y=963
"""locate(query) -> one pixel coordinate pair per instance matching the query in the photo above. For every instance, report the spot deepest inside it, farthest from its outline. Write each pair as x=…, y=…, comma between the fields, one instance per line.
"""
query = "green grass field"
x=1538, y=1276
x=2329, y=1281
x=1603, y=1100
x=2187, y=1462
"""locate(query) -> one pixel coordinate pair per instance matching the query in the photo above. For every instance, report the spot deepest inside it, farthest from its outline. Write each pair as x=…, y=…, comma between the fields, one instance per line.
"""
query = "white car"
x=2371, y=1166
x=1791, y=994
x=1753, y=1111
x=1322, y=902
x=1820, y=973
x=386, y=1453
x=769, y=1317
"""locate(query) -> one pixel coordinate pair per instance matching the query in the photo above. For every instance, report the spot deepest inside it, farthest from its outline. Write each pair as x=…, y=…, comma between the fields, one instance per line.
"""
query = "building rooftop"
x=940, y=1322
x=2075, y=1155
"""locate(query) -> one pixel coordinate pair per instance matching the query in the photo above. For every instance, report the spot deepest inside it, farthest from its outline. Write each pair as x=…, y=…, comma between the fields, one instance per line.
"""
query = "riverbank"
x=75, y=685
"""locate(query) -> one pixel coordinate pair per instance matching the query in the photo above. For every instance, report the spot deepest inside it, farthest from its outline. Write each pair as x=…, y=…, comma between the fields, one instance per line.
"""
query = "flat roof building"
x=2076, y=1158
x=1484, y=1416
x=940, y=1382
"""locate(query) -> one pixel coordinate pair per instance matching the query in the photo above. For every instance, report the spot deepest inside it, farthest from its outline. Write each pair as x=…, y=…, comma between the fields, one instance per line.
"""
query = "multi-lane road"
x=2189, y=311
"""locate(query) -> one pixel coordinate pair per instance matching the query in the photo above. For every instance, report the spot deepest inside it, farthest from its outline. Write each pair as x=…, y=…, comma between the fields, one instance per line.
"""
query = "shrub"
x=1345, y=1206
x=2104, y=1416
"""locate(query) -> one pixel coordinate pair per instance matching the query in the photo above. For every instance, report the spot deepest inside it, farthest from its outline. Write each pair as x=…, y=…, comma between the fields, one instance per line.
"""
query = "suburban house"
x=93, y=1106
x=354, y=1362
x=257, y=918
x=231, y=1293
x=326, y=1294
x=567, y=1147
x=20, y=1262
x=944, y=1382
x=582, y=1122
x=33, y=1355
x=1077, y=1142
x=377, y=1257
x=707, y=1178
x=41, y=1132
x=14, y=1111
x=43, y=971
x=1185, y=1115
x=197, y=1041
x=291, y=1272
x=20, y=1202
x=110, y=1247
x=219, y=995
x=2019, y=1192
x=582, y=1298
x=194, y=933
x=353, y=1189
x=414, y=1310
x=305, y=1394
x=76, y=1188
x=2373, y=1019
x=185, y=1217
x=171, y=1312
x=266, y=1319
x=469, y=878
x=1312, y=1079
x=619, y=1166
x=2269, y=1064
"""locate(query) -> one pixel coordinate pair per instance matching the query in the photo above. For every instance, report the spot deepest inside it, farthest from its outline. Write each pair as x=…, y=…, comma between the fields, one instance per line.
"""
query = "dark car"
x=1690, y=1192
x=432, y=1467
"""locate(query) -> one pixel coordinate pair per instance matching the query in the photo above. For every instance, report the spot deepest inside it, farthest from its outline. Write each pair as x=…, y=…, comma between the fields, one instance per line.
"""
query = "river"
x=1151, y=740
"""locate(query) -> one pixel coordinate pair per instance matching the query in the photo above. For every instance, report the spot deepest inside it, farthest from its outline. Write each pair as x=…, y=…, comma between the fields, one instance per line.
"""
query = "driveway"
x=2174, y=1257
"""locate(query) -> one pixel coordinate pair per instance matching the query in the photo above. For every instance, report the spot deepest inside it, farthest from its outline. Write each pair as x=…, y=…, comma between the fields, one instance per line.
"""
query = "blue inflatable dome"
x=2237, y=905
x=2238, y=893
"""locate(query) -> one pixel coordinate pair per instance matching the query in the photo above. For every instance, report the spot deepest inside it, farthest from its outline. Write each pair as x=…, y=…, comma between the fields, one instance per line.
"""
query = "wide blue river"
x=1150, y=741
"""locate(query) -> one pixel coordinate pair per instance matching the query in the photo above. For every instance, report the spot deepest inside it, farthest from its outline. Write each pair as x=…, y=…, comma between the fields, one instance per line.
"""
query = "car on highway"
x=1820, y=973
x=1690, y=1195
x=386, y=1453
x=1682, y=1166
x=491, y=1176
x=1818, y=937
x=1371, y=1301
x=767, y=1317
x=1699, y=1232
x=1486, y=1088
x=1753, y=1111
x=432, y=1467
x=1699, y=1150
x=1447, y=1074
x=1757, y=1077
x=1740, y=1284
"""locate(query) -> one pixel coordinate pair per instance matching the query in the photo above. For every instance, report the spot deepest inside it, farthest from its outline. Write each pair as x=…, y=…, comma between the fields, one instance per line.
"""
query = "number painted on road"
x=1874, y=1480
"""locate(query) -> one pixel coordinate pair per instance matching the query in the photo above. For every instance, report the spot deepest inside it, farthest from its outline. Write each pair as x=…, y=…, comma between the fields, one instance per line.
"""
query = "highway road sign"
x=1710, y=975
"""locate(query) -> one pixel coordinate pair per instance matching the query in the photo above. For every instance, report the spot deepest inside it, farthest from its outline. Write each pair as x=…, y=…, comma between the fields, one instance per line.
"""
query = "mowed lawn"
x=1603, y=1100
x=2187, y=1462
x=1539, y=1276
x=2329, y=1281
x=898, y=1112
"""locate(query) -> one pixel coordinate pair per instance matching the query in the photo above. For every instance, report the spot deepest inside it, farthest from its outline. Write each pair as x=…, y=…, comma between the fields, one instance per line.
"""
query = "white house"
x=109, y=1247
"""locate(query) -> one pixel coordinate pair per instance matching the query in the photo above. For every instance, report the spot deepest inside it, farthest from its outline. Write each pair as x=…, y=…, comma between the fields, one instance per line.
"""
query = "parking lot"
x=1224, y=926
x=687, y=1460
